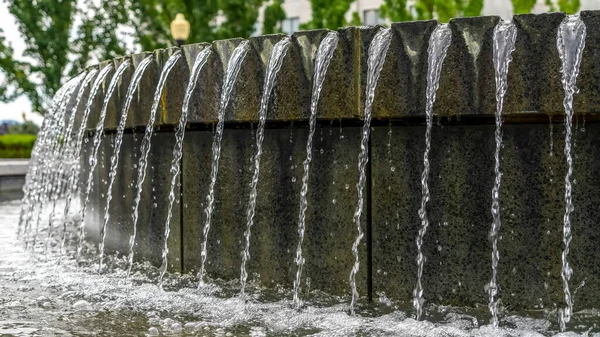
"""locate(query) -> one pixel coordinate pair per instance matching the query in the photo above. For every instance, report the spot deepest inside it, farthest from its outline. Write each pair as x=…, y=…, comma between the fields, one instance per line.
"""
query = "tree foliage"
x=45, y=26
x=209, y=19
x=273, y=16
x=63, y=37
x=567, y=6
x=443, y=10
x=523, y=6
x=328, y=14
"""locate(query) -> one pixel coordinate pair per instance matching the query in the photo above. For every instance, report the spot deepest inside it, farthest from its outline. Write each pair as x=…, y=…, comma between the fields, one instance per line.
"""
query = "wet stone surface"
x=456, y=245
x=153, y=205
x=331, y=202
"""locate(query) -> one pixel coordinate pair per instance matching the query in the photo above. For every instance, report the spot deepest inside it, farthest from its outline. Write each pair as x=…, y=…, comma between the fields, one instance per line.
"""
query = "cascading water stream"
x=63, y=154
x=45, y=171
x=78, y=144
x=233, y=68
x=438, y=45
x=40, y=152
x=145, y=150
x=275, y=62
x=93, y=160
x=322, y=60
x=377, y=52
x=570, y=43
x=114, y=159
x=178, y=150
x=505, y=35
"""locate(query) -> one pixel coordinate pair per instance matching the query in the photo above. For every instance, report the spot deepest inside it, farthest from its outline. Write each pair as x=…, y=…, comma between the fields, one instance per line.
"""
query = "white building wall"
x=502, y=8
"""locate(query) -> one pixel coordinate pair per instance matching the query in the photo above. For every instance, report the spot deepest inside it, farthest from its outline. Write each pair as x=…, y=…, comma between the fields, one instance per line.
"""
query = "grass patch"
x=16, y=145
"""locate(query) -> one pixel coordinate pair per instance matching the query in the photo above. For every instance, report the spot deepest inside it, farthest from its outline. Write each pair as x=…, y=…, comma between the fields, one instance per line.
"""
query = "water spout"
x=438, y=45
x=114, y=159
x=505, y=35
x=145, y=150
x=233, y=68
x=275, y=62
x=178, y=149
x=570, y=42
x=377, y=52
x=322, y=60
x=93, y=157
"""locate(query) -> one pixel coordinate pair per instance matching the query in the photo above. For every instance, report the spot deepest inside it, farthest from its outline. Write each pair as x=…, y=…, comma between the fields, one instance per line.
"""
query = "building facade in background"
x=299, y=11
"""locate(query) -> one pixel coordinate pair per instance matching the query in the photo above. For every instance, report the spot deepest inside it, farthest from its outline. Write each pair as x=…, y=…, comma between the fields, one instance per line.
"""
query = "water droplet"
x=333, y=201
x=347, y=186
x=155, y=205
x=293, y=179
x=321, y=151
x=393, y=168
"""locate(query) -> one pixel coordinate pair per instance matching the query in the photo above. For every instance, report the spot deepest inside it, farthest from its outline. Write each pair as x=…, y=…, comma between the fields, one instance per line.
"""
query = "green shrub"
x=16, y=145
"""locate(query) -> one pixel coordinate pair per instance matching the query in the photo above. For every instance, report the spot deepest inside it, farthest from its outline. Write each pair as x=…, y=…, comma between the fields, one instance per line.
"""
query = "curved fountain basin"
x=456, y=245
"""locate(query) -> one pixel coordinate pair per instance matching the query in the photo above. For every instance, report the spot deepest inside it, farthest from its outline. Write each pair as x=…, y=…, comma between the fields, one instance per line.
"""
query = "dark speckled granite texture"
x=456, y=245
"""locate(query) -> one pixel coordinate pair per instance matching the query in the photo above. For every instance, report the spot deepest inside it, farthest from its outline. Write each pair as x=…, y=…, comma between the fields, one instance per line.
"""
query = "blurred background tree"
x=52, y=51
x=328, y=14
x=443, y=10
x=273, y=16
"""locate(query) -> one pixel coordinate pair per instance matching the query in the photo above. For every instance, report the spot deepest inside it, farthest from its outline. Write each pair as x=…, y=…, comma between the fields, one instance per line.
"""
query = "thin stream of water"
x=505, y=35
x=39, y=154
x=322, y=60
x=570, y=43
x=114, y=159
x=233, y=69
x=93, y=160
x=65, y=154
x=46, y=170
x=275, y=62
x=72, y=181
x=199, y=63
x=438, y=45
x=145, y=150
x=377, y=52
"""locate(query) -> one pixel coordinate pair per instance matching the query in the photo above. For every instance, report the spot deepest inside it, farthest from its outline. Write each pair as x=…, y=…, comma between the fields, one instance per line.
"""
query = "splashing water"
x=275, y=62
x=114, y=160
x=93, y=157
x=570, y=43
x=505, y=35
x=233, y=68
x=145, y=150
x=438, y=45
x=377, y=51
x=178, y=149
x=322, y=60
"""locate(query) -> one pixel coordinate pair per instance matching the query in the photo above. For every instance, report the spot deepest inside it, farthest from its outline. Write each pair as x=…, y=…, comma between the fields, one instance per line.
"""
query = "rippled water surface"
x=40, y=298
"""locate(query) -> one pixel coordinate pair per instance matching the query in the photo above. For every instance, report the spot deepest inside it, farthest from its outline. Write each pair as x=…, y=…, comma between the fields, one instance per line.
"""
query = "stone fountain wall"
x=456, y=245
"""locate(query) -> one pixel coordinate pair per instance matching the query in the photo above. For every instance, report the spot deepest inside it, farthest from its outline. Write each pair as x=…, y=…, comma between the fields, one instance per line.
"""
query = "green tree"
x=51, y=53
x=273, y=15
x=443, y=10
x=328, y=14
x=356, y=21
x=396, y=11
x=567, y=6
x=523, y=6
x=150, y=19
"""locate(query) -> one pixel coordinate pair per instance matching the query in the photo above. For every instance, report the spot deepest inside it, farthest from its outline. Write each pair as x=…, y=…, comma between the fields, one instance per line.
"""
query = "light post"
x=180, y=29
